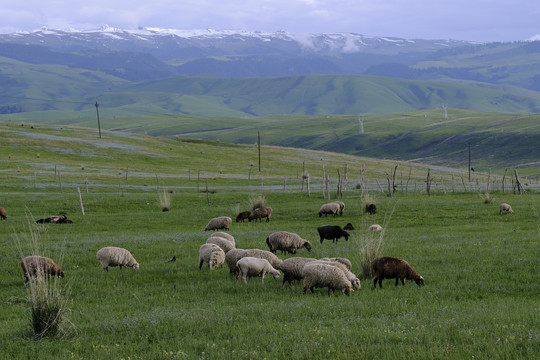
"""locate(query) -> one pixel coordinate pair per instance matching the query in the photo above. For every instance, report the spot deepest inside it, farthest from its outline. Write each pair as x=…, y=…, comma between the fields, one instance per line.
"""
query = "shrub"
x=257, y=201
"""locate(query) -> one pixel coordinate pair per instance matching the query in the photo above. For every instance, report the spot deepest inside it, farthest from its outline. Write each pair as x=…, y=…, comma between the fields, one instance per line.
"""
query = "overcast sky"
x=478, y=20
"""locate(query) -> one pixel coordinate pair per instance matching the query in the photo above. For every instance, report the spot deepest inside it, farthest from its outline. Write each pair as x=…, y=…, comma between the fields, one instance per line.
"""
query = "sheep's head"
x=347, y=291
x=61, y=274
x=276, y=274
x=136, y=266
x=346, y=235
x=213, y=263
x=419, y=281
x=307, y=245
x=356, y=283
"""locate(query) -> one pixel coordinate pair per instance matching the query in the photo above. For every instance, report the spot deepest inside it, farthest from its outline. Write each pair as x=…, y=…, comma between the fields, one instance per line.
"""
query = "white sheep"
x=223, y=243
x=218, y=223
x=375, y=227
x=292, y=269
x=225, y=236
x=330, y=208
x=211, y=254
x=325, y=275
x=286, y=242
x=116, y=256
x=232, y=257
x=251, y=266
x=342, y=260
x=349, y=274
x=504, y=207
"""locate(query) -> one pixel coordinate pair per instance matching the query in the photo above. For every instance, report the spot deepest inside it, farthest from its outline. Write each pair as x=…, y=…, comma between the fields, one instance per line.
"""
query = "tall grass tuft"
x=486, y=198
x=257, y=201
x=164, y=198
x=48, y=297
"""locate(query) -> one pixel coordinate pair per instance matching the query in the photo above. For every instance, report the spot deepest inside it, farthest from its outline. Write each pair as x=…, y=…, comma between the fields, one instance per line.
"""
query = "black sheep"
x=371, y=209
x=332, y=232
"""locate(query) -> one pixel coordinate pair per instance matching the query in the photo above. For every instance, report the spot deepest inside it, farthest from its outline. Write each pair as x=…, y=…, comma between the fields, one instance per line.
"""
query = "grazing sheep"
x=225, y=236
x=62, y=219
x=264, y=254
x=115, y=256
x=371, y=209
x=330, y=208
x=259, y=213
x=243, y=216
x=292, y=269
x=332, y=232
x=34, y=266
x=211, y=254
x=286, y=242
x=504, y=207
x=341, y=207
x=251, y=266
x=223, y=243
x=3, y=213
x=349, y=226
x=375, y=227
x=325, y=275
x=389, y=268
x=344, y=261
x=232, y=257
x=348, y=273
x=218, y=223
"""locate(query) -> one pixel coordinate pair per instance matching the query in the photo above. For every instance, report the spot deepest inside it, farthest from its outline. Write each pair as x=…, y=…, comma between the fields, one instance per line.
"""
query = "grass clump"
x=487, y=198
x=164, y=199
x=257, y=201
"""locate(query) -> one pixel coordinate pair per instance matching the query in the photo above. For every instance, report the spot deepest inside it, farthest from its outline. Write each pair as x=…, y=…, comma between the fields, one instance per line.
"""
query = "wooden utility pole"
x=97, y=112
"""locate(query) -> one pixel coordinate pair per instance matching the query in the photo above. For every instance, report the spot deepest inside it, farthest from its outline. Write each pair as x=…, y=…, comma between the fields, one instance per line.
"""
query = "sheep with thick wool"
x=325, y=275
x=341, y=207
x=375, y=227
x=219, y=223
x=212, y=255
x=260, y=213
x=223, y=243
x=293, y=268
x=3, y=213
x=225, y=236
x=116, y=256
x=34, y=266
x=287, y=242
x=330, y=208
x=243, y=216
x=355, y=282
x=251, y=266
x=342, y=260
x=264, y=254
x=390, y=267
x=504, y=207
x=231, y=258
x=332, y=232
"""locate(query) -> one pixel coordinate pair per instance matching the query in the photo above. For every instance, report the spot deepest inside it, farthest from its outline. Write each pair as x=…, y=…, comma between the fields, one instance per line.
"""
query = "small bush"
x=257, y=201
x=164, y=200
x=487, y=199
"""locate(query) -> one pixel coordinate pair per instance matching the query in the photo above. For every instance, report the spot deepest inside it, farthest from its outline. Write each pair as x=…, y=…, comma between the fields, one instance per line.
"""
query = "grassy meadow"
x=481, y=268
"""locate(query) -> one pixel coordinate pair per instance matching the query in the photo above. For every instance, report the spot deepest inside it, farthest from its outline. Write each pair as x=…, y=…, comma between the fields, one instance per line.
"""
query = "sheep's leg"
x=305, y=289
x=397, y=281
x=200, y=264
x=380, y=282
x=263, y=275
x=375, y=282
x=321, y=239
x=403, y=281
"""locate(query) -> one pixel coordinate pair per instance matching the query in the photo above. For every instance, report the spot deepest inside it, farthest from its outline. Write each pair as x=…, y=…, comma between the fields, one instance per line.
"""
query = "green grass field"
x=481, y=268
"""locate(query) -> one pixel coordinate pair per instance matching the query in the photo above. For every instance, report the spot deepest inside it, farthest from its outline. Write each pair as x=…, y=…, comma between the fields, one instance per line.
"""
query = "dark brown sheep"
x=332, y=232
x=259, y=213
x=3, y=213
x=38, y=265
x=394, y=268
x=243, y=216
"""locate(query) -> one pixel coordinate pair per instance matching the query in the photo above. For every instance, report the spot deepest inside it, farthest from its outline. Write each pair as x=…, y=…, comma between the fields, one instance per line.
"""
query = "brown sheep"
x=3, y=213
x=34, y=266
x=243, y=216
x=394, y=268
x=259, y=213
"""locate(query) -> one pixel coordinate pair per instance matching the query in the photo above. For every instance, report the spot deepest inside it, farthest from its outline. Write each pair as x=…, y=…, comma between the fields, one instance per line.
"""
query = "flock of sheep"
x=220, y=248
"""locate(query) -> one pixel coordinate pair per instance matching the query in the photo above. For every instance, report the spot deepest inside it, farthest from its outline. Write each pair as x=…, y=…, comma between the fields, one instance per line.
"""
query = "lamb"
x=348, y=273
x=211, y=254
x=34, y=266
x=3, y=213
x=223, y=243
x=286, y=241
x=218, y=223
x=344, y=261
x=259, y=213
x=341, y=207
x=375, y=227
x=330, y=208
x=116, y=256
x=232, y=257
x=371, y=209
x=325, y=275
x=225, y=236
x=251, y=266
x=390, y=267
x=243, y=216
x=293, y=268
x=504, y=207
x=332, y=232
x=349, y=226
